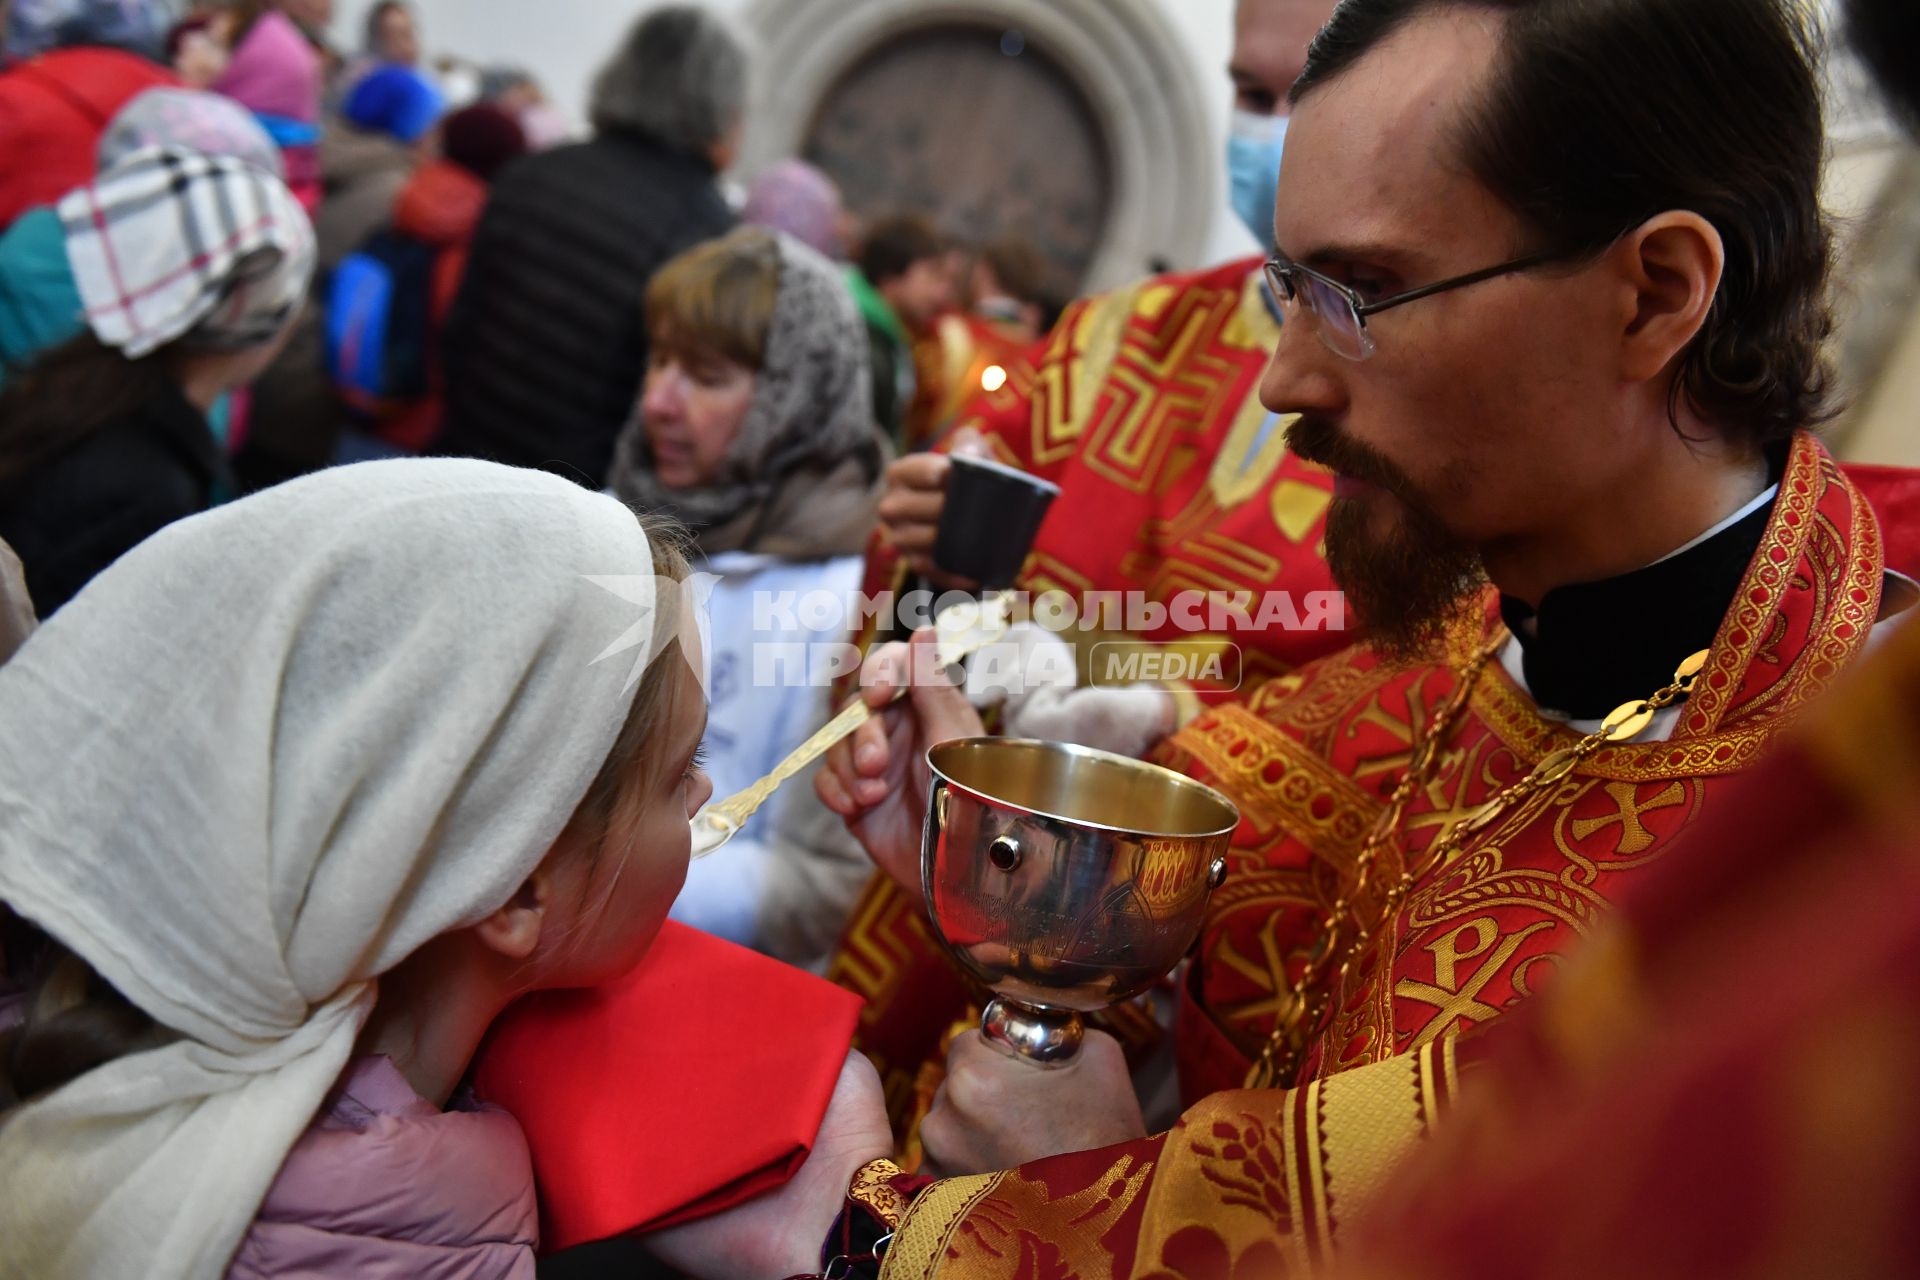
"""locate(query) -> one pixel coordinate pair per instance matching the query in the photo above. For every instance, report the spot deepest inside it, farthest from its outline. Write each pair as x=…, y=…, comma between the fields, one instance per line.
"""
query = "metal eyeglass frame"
x=1281, y=273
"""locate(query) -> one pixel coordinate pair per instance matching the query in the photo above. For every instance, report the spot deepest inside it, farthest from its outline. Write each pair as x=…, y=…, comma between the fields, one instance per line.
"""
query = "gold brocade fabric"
x=1722, y=1084
x=1248, y=1186
x=1142, y=404
x=1258, y=1184
x=1312, y=757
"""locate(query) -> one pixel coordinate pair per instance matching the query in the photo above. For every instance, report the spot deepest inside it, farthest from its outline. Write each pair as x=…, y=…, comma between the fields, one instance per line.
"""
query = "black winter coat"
x=72, y=514
x=547, y=343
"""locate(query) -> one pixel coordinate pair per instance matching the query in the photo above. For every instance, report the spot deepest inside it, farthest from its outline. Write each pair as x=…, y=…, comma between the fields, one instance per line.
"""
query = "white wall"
x=563, y=41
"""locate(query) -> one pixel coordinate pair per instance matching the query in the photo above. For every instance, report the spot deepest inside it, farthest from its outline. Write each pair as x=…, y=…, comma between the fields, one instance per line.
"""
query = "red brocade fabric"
x=1895, y=495
x=1722, y=1084
x=1142, y=405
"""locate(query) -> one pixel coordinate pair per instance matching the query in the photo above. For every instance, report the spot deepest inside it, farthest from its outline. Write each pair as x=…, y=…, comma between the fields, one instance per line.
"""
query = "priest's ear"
x=1671, y=266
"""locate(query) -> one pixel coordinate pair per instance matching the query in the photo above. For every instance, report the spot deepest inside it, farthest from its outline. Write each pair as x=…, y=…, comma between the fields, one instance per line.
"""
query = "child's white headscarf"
x=258, y=762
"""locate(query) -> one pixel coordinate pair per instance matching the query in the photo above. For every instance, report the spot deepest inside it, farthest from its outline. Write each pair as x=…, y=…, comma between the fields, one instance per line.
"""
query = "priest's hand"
x=916, y=495
x=995, y=1111
x=877, y=777
x=780, y=1234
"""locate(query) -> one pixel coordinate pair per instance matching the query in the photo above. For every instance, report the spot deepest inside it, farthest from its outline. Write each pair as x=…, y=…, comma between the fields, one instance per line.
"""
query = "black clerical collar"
x=1594, y=645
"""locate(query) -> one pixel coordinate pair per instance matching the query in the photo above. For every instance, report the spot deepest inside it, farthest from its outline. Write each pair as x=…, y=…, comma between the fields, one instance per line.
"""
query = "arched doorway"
x=1122, y=58
x=1009, y=145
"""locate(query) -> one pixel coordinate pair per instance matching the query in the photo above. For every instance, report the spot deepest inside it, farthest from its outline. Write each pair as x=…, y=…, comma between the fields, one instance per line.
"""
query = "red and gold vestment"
x=1142, y=405
x=1257, y=1183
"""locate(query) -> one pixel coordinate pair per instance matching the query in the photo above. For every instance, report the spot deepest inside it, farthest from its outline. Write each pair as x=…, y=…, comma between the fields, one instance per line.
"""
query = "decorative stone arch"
x=1122, y=55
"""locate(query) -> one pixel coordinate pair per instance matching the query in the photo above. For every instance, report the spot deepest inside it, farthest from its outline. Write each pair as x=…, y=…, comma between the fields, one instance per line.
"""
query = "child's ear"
x=514, y=930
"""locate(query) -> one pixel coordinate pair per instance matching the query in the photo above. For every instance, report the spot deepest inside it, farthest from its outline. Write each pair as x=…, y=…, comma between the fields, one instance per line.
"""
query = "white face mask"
x=1254, y=146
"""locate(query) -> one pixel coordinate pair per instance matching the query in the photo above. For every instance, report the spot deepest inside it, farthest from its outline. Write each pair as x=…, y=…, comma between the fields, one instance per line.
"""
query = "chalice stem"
x=1044, y=1037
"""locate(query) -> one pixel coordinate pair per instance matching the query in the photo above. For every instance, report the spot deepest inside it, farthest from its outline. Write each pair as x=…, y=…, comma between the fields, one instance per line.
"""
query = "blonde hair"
x=630, y=776
x=718, y=298
x=631, y=770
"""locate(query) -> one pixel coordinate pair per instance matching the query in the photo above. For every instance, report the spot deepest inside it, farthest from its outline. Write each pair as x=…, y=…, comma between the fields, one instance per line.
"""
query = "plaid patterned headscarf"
x=170, y=243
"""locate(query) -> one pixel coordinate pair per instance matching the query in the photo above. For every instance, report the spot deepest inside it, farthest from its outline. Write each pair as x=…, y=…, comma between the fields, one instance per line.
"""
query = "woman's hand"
x=877, y=777
x=780, y=1234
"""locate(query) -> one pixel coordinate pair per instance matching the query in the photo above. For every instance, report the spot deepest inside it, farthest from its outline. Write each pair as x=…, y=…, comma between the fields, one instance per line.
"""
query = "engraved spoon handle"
x=741, y=805
x=715, y=824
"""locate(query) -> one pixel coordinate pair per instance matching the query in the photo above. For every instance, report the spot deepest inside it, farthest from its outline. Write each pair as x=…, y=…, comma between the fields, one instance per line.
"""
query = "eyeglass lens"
x=1340, y=327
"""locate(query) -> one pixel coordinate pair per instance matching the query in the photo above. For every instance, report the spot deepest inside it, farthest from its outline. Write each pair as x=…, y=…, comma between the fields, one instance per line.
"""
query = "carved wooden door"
x=977, y=128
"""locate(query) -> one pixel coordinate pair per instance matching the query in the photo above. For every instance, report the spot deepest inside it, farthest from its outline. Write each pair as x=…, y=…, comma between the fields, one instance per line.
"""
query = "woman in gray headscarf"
x=755, y=429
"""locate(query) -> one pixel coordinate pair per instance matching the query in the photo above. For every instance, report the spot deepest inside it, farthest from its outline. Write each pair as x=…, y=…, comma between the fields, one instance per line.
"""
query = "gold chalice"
x=1065, y=879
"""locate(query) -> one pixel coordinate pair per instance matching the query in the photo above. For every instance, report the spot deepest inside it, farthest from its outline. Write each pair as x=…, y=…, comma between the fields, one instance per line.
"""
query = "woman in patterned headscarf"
x=189, y=267
x=40, y=304
x=755, y=428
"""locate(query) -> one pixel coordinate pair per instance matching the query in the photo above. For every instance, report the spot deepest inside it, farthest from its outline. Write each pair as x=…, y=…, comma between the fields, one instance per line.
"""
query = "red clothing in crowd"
x=440, y=206
x=53, y=109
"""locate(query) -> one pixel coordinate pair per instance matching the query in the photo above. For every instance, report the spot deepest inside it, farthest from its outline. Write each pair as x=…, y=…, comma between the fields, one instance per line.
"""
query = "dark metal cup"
x=1065, y=879
x=991, y=516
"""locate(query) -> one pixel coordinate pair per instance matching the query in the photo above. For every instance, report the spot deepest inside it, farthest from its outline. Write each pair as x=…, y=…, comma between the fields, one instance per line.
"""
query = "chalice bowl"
x=1065, y=879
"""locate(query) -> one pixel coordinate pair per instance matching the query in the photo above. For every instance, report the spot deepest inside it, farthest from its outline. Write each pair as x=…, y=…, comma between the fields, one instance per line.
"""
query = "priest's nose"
x=1302, y=376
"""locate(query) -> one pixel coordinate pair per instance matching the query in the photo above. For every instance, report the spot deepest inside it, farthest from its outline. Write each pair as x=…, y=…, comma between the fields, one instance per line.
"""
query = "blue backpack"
x=379, y=307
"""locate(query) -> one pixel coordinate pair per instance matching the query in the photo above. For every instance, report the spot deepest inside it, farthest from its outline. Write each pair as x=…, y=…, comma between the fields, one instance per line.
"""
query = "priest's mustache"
x=1319, y=440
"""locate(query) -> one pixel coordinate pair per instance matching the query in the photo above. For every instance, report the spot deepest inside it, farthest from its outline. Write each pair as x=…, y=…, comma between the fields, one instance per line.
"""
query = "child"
x=294, y=800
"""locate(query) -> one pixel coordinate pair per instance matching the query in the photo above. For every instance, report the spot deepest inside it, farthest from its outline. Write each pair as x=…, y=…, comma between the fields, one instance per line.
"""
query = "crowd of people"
x=332, y=387
x=395, y=160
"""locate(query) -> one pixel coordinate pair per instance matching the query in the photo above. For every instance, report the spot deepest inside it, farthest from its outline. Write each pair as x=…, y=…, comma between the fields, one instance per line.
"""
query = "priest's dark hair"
x=1601, y=114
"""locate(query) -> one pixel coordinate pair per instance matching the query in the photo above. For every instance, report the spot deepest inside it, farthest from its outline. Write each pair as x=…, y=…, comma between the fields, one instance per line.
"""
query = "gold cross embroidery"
x=1634, y=837
x=1270, y=976
x=1401, y=728
x=1451, y=791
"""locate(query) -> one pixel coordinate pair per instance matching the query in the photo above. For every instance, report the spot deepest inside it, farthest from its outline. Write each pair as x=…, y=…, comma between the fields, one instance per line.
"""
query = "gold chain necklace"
x=1343, y=933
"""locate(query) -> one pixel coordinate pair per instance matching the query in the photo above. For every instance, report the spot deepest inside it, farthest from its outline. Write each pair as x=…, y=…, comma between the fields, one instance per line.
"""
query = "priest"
x=1143, y=407
x=1585, y=1153
x=1554, y=320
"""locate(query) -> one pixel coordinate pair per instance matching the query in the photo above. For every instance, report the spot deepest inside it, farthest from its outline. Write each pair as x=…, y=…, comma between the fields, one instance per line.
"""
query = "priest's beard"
x=1408, y=584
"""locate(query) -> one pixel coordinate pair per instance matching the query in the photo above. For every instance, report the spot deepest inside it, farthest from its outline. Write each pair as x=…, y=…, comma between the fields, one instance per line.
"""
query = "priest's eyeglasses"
x=1343, y=313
